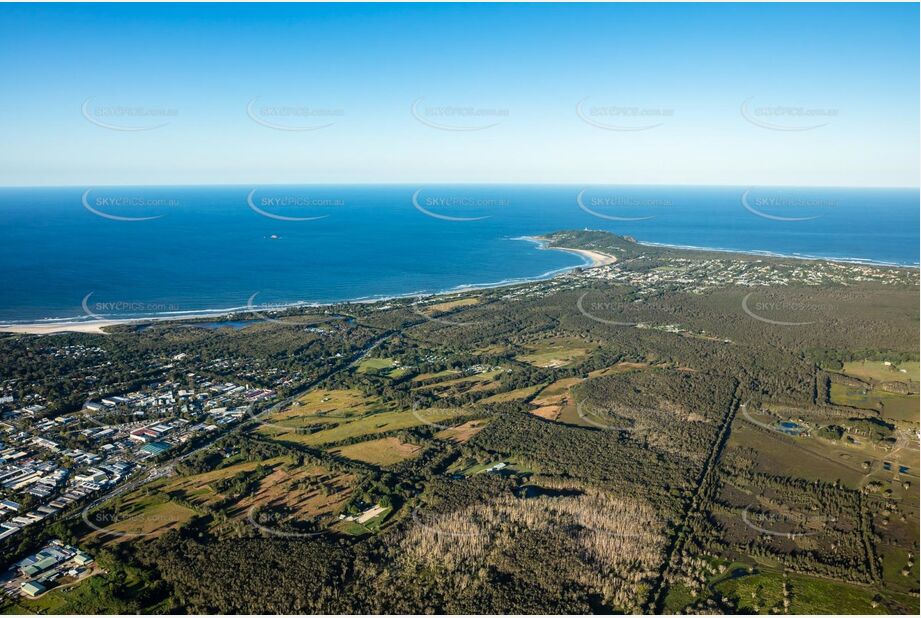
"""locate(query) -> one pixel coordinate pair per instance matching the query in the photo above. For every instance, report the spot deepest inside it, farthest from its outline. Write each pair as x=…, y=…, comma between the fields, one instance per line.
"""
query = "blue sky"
x=747, y=94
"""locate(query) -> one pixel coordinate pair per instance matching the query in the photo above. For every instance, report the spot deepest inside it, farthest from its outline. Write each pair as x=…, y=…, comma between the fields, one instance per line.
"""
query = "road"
x=166, y=468
x=707, y=481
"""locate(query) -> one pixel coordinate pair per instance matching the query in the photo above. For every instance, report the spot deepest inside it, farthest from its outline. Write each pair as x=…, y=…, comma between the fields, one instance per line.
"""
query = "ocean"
x=122, y=252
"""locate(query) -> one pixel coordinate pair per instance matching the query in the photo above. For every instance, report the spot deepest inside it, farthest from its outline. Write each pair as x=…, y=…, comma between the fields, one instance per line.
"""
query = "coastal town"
x=49, y=463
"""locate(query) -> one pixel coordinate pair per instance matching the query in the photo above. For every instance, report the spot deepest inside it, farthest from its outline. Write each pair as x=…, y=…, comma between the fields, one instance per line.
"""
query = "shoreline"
x=591, y=259
x=851, y=261
x=95, y=326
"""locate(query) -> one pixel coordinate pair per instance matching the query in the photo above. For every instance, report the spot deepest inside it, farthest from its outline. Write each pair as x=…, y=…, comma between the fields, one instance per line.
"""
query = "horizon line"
x=473, y=183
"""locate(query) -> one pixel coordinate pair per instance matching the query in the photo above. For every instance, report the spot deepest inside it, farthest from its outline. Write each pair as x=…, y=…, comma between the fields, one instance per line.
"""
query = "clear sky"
x=783, y=94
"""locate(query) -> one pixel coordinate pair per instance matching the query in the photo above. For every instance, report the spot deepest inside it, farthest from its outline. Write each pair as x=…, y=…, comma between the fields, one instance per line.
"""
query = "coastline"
x=95, y=326
x=591, y=259
x=852, y=261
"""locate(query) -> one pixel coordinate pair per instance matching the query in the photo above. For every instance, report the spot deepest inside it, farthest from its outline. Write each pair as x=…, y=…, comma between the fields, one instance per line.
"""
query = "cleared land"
x=376, y=365
x=287, y=492
x=556, y=402
x=366, y=426
x=894, y=406
x=883, y=372
x=483, y=381
x=618, y=369
x=138, y=516
x=381, y=452
x=450, y=305
x=462, y=432
x=556, y=352
x=763, y=593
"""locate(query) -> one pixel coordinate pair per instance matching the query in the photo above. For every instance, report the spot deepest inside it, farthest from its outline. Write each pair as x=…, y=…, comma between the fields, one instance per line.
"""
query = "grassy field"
x=462, y=432
x=555, y=393
x=618, y=369
x=486, y=376
x=437, y=375
x=763, y=592
x=321, y=407
x=302, y=492
x=556, y=402
x=518, y=393
x=197, y=488
x=512, y=466
x=367, y=426
x=895, y=561
x=475, y=383
x=495, y=349
x=450, y=305
x=478, y=468
x=556, y=352
x=138, y=516
x=879, y=371
x=376, y=365
x=398, y=372
x=381, y=452
x=678, y=598
x=893, y=406
x=796, y=457
x=855, y=459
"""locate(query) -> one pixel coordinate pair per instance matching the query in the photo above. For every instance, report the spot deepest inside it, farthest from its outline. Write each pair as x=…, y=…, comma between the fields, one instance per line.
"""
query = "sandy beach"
x=96, y=327
x=595, y=257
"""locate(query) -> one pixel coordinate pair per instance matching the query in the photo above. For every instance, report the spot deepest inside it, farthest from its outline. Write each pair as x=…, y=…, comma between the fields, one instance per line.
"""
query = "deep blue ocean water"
x=125, y=252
